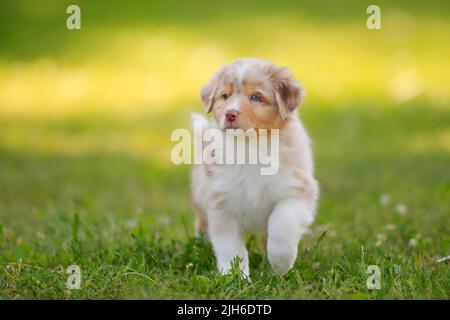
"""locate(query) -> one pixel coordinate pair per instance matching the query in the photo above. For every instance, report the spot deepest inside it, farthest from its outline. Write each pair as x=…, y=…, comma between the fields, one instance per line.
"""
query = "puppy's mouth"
x=231, y=125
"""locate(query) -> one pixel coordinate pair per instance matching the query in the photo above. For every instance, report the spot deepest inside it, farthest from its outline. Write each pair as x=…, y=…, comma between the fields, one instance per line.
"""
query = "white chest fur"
x=248, y=195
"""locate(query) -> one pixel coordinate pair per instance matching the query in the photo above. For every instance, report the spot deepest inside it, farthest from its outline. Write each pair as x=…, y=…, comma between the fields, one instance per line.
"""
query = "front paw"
x=237, y=266
x=281, y=257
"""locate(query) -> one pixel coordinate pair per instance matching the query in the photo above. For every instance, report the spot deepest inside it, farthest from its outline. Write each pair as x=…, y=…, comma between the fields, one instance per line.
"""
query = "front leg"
x=287, y=223
x=228, y=242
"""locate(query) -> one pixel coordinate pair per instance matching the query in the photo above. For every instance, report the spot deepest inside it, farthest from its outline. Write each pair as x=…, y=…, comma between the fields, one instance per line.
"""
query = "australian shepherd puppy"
x=234, y=200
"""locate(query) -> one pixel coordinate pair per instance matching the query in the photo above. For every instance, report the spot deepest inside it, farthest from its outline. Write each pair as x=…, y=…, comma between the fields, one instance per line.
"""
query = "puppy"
x=232, y=201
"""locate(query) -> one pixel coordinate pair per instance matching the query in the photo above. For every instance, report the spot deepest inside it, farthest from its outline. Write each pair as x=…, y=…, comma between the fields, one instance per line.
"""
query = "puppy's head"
x=252, y=94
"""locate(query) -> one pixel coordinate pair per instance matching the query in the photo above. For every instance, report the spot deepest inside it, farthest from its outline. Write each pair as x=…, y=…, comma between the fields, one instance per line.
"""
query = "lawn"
x=85, y=171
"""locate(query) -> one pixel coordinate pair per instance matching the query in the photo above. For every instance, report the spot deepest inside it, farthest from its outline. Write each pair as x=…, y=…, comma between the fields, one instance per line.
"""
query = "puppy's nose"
x=231, y=115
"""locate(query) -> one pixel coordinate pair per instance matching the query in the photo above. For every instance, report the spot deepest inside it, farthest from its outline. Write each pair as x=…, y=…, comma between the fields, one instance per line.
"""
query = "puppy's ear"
x=208, y=93
x=288, y=92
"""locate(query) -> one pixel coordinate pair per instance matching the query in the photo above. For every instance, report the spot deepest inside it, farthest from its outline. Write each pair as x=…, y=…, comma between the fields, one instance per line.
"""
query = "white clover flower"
x=412, y=242
x=401, y=208
x=385, y=199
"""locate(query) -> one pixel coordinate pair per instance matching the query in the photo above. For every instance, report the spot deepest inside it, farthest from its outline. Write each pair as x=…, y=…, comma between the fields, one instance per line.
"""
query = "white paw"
x=281, y=257
x=225, y=269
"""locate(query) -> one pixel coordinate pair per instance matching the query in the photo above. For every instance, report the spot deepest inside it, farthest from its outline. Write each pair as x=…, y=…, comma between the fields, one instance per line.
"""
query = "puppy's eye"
x=225, y=96
x=256, y=98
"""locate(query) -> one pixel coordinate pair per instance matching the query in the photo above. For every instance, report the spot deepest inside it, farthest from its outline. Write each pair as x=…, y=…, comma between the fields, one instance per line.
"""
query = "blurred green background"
x=86, y=115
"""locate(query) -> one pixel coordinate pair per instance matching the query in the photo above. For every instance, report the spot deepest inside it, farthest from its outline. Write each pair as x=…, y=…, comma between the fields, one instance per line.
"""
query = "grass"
x=85, y=171
x=127, y=222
